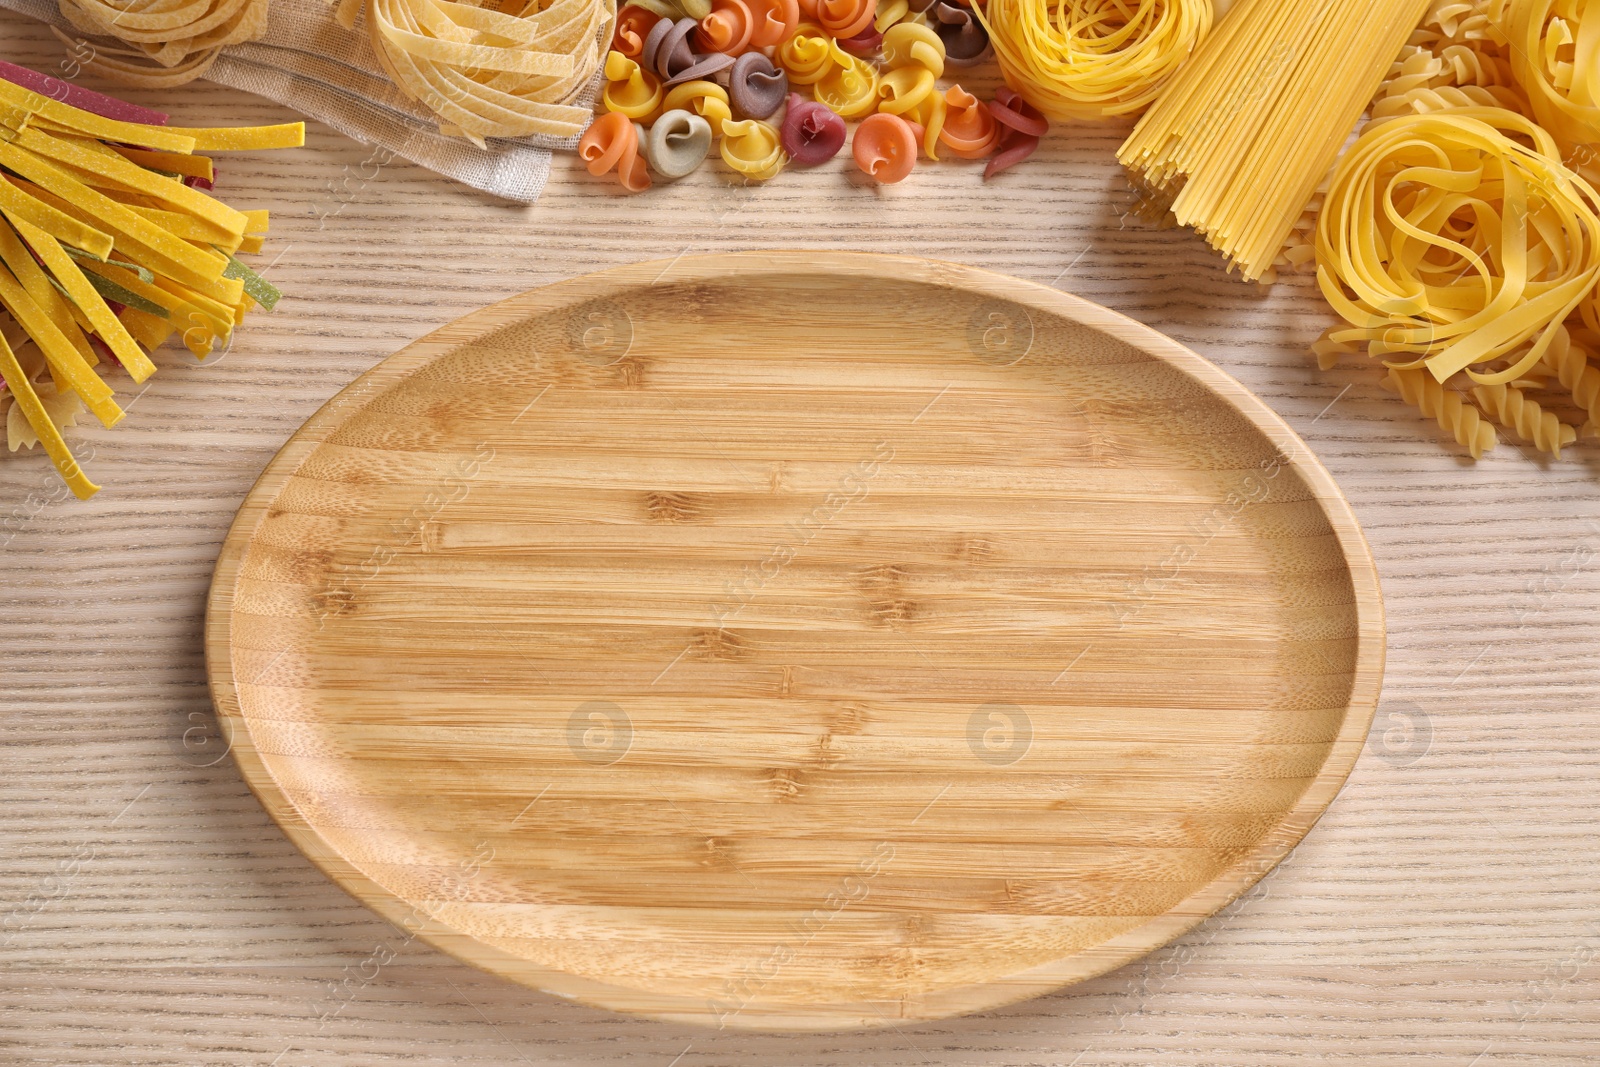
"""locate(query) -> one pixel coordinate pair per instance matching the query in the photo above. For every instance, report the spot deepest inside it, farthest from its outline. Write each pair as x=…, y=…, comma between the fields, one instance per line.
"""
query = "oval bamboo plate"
x=795, y=641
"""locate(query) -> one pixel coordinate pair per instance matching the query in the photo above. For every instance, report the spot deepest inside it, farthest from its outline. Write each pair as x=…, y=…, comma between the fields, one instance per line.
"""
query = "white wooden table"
x=1446, y=910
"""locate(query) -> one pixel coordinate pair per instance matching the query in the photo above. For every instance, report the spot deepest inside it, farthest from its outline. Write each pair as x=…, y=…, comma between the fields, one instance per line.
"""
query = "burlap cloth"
x=309, y=63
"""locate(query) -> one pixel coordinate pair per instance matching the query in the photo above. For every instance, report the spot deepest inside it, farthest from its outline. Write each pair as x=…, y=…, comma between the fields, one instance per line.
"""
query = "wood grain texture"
x=795, y=641
x=1440, y=913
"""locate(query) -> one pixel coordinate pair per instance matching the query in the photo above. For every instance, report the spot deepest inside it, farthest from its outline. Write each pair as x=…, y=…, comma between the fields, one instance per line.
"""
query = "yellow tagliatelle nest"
x=105, y=250
x=169, y=43
x=1555, y=55
x=1090, y=59
x=1457, y=243
x=507, y=70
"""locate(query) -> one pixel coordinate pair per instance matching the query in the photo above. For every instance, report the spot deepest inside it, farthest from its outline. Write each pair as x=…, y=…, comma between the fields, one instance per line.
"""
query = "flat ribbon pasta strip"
x=106, y=250
x=17, y=382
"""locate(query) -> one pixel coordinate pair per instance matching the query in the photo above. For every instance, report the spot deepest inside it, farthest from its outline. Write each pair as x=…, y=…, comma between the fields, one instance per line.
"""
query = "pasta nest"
x=170, y=42
x=1451, y=240
x=507, y=70
x=1089, y=59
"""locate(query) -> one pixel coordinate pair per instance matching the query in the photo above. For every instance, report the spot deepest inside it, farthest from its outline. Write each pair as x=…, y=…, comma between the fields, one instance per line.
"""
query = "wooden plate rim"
x=1114, y=953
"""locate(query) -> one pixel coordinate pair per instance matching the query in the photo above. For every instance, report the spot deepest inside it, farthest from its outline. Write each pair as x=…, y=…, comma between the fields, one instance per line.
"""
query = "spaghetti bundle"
x=109, y=247
x=1090, y=59
x=490, y=70
x=1239, y=140
x=169, y=43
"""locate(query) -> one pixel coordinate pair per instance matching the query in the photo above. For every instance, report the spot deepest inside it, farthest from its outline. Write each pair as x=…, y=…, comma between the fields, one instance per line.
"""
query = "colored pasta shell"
x=969, y=129
x=966, y=42
x=629, y=90
x=845, y=18
x=850, y=88
x=756, y=88
x=811, y=134
x=1021, y=126
x=863, y=45
x=612, y=143
x=706, y=99
x=910, y=44
x=634, y=24
x=806, y=57
x=885, y=147
x=901, y=90
x=774, y=21
x=678, y=143
x=726, y=29
x=752, y=148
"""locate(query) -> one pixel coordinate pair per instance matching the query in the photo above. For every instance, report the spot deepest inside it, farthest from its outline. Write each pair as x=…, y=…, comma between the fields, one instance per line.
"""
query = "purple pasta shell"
x=756, y=88
x=810, y=133
x=703, y=67
x=673, y=55
x=965, y=40
x=863, y=45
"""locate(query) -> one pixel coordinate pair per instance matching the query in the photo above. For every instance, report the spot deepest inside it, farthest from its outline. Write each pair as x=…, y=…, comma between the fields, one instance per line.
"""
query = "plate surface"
x=795, y=641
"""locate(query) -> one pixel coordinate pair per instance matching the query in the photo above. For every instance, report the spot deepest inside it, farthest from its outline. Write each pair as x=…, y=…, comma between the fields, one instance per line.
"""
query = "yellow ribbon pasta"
x=105, y=250
x=752, y=148
x=485, y=73
x=1555, y=56
x=171, y=42
x=1448, y=242
x=1092, y=59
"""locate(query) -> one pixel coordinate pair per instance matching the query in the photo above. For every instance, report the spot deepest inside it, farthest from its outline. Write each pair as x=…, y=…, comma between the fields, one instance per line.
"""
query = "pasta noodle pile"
x=1245, y=131
x=1448, y=244
x=168, y=43
x=1091, y=59
x=1460, y=236
x=677, y=87
x=109, y=247
x=1554, y=50
x=507, y=69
